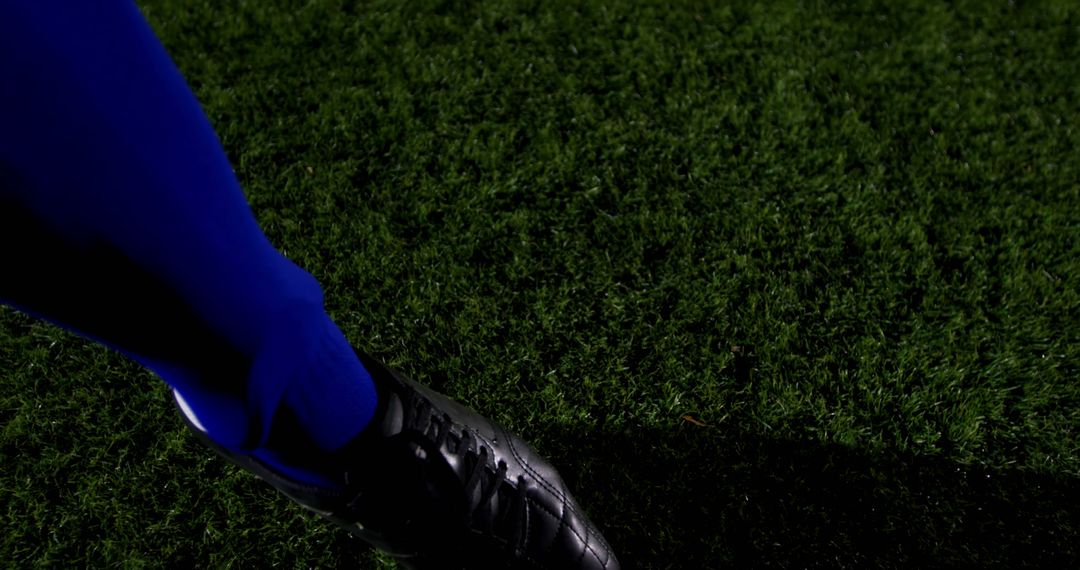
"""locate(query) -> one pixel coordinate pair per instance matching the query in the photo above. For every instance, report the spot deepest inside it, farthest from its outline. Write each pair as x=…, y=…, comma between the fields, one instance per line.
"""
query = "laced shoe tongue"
x=469, y=467
x=453, y=470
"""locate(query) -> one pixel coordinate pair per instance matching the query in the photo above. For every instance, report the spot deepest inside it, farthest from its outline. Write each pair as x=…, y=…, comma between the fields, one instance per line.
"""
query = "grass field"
x=777, y=285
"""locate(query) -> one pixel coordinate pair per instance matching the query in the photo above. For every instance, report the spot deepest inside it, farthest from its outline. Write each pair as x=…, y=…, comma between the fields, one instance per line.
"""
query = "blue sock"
x=121, y=218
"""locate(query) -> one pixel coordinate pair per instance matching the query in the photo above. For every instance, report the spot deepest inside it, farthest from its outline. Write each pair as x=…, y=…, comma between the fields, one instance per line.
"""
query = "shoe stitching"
x=568, y=527
x=555, y=537
x=562, y=523
x=586, y=549
x=525, y=464
x=546, y=485
x=608, y=551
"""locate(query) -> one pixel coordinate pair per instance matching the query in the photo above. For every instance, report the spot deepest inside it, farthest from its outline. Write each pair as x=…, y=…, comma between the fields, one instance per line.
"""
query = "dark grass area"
x=845, y=237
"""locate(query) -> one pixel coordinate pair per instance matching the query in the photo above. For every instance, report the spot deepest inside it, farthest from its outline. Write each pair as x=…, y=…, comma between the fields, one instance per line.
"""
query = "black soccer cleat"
x=438, y=486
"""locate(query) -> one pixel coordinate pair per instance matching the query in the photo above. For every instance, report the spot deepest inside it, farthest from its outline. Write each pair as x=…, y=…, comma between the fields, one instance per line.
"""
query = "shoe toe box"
x=558, y=532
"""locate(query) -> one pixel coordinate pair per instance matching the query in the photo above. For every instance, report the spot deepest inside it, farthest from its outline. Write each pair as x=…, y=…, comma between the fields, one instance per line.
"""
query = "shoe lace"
x=480, y=470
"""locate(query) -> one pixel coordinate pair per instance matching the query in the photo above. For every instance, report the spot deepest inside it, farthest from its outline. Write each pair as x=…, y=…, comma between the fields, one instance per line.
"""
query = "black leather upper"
x=528, y=520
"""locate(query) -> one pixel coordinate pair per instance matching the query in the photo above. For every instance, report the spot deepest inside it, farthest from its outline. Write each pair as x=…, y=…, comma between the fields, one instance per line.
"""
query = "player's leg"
x=121, y=218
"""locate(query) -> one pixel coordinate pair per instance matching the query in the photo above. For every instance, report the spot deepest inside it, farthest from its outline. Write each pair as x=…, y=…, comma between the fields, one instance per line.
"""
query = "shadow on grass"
x=700, y=497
